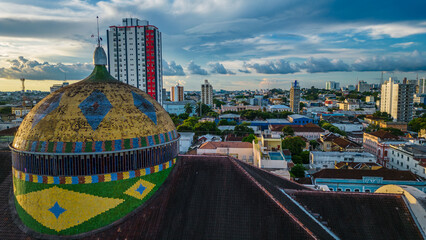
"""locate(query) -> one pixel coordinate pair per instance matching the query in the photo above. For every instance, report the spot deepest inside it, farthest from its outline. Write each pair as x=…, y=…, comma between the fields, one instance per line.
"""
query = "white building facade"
x=207, y=93
x=319, y=160
x=408, y=157
x=135, y=56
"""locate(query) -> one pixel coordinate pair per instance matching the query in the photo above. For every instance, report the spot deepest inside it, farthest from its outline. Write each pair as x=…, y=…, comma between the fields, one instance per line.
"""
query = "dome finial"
x=99, y=56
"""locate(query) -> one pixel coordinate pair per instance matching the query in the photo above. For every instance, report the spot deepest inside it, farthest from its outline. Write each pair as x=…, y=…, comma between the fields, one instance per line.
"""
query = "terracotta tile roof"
x=385, y=135
x=387, y=174
x=329, y=137
x=310, y=127
x=345, y=143
x=356, y=165
x=215, y=145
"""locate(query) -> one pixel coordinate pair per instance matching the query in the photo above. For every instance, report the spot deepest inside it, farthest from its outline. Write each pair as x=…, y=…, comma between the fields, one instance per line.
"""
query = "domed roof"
x=96, y=114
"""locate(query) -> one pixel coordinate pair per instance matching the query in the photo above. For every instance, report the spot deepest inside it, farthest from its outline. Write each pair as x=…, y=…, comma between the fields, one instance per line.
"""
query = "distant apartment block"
x=207, y=93
x=330, y=85
x=295, y=97
x=176, y=93
x=363, y=86
x=397, y=100
x=408, y=157
x=135, y=55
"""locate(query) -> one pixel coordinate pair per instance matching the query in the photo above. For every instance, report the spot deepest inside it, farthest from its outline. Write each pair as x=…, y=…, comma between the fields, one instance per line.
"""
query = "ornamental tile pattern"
x=58, y=180
x=95, y=107
x=145, y=106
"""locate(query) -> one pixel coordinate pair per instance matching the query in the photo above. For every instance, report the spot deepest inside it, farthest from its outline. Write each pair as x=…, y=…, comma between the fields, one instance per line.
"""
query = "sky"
x=237, y=44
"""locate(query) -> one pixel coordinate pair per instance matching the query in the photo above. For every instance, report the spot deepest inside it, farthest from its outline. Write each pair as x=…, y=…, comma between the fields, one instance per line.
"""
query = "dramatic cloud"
x=172, y=69
x=218, y=68
x=244, y=71
x=314, y=65
x=411, y=62
x=34, y=70
x=196, y=69
x=280, y=66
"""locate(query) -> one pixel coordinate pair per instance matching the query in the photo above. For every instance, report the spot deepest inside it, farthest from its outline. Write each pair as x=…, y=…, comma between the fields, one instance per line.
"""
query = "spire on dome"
x=99, y=56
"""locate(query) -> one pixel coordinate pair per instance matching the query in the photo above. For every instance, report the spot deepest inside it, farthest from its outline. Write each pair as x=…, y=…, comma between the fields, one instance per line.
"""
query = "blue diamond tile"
x=140, y=189
x=95, y=107
x=46, y=107
x=145, y=106
x=57, y=210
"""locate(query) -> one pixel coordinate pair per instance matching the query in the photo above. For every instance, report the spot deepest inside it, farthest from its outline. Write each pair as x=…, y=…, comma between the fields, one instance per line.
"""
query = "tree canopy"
x=294, y=144
x=418, y=123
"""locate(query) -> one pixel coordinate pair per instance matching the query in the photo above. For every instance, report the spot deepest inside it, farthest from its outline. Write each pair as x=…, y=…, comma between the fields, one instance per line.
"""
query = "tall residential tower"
x=134, y=55
x=176, y=93
x=397, y=100
x=295, y=97
x=207, y=93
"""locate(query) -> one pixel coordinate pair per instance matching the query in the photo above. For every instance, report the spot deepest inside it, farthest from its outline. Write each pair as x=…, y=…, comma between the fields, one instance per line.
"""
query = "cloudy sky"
x=237, y=44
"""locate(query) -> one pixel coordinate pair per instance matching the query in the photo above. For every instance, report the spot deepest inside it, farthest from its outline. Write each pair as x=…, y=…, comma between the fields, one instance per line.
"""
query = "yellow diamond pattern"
x=135, y=191
x=79, y=207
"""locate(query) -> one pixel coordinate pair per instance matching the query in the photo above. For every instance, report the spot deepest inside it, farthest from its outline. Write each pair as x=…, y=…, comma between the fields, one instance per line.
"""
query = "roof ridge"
x=269, y=195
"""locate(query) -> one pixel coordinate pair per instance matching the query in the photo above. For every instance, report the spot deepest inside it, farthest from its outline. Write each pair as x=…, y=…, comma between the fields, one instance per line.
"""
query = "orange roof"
x=214, y=145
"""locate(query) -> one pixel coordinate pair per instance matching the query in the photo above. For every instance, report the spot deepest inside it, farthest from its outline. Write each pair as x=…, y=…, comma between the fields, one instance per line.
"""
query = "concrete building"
x=179, y=107
x=295, y=97
x=330, y=85
x=408, y=157
x=135, y=55
x=319, y=160
x=349, y=105
x=397, y=100
x=363, y=86
x=207, y=93
x=176, y=93
x=377, y=143
x=241, y=150
x=422, y=85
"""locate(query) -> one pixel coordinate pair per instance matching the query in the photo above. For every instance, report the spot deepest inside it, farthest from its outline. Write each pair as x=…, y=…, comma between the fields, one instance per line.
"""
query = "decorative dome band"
x=83, y=165
x=97, y=146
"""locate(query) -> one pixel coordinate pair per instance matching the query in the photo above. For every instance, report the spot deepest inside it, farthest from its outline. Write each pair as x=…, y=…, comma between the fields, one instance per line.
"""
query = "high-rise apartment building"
x=135, y=55
x=207, y=93
x=330, y=85
x=422, y=85
x=363, y=86
x=176, y=93
x=295, y=97
x=397, y=100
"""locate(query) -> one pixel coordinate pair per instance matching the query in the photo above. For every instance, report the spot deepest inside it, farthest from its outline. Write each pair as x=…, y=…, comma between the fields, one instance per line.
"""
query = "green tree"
x=294, y=144
x=204, y=109
x=218, y=103
x=288, y=131
x=183, y=116
x=249, y=138
x=418, y=123
x=383, y=115
x=184, y=128
x=242, y=130
x=298, y=171
x=188, y=108
x=202, y=128
x=305, y=157
x=314, y=144
x=5, y=110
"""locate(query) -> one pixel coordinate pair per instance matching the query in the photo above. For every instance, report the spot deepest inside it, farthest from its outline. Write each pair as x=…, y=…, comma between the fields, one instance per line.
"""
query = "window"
x=367, y=190
x=339, y=189
x=356, y=190
x=347, y=190
x=331, y=189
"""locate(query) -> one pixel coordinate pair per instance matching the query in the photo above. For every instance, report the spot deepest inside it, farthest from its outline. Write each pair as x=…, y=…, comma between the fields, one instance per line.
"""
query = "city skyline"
x=251, y=44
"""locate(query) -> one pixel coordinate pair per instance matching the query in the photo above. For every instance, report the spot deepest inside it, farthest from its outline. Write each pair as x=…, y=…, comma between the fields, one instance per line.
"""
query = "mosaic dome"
x=90, y=154
x=96, y=114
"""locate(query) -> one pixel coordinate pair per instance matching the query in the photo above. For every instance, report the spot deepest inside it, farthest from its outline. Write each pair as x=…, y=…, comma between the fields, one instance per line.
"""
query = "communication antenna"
x=97, y=23
x=23, y=92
